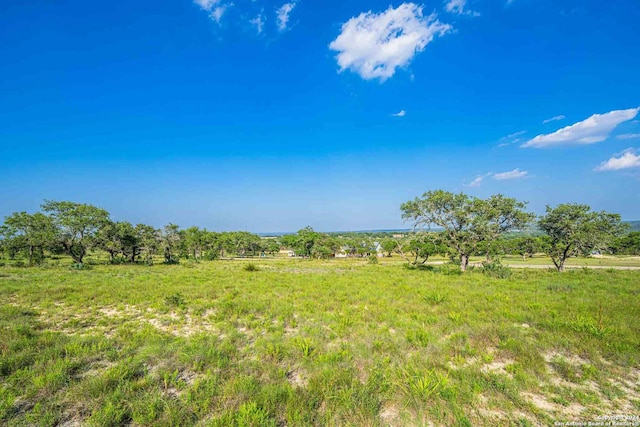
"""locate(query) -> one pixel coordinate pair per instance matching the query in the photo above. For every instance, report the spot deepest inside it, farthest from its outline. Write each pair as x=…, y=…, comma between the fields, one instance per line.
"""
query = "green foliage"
x=309, y=243
x=77, y=226
x=417, y=248
x=250, y=267
x=420, y=385
x=80, y=266
x=573, y=229
x=467, y=221
x=372, y=259
x=495, y=269
x=175, y=300
x=30, y=234
x=628, y=244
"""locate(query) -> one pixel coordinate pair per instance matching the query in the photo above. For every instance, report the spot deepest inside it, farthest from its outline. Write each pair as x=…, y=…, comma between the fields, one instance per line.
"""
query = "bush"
x=80, y=266
x=373, y=259
x=251, y=267
x=496, y=269
x=175, y=300
x=449, y=269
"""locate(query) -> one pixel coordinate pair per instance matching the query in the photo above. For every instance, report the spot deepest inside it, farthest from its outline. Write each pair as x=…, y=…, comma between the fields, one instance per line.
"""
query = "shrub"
x=496, y=269
x=250, y=267
x=373, y=259
x=175, y=300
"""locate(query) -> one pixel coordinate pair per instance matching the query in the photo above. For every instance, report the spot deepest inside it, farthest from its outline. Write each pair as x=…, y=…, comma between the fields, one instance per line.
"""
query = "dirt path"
x=596, y=267
x=550, y=266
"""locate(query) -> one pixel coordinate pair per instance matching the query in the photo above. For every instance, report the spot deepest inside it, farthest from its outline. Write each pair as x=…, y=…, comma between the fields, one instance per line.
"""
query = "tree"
x=324, y=246
x=119, y=238
x=171, y=242
x=302, y=242
x=467, y=221
x=194, y=240
x=573, y=229
x=389, y=245
x=272, y=247
x=77, y=225
x=29, y=233
x=526, y=246
x=628, y=244
x=416, y=249
x=148, y=241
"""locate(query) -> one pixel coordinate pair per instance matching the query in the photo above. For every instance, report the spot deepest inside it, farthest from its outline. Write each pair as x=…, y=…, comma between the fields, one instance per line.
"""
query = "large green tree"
x=467, y=221
x=573, y=229
x=77, y=226
x=29, y=233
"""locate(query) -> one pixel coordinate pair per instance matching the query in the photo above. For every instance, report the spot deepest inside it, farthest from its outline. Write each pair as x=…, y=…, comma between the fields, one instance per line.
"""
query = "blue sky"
x=273, y=115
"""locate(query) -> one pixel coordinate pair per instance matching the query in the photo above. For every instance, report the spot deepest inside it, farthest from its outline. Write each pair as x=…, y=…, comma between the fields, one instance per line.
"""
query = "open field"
x=300, y=342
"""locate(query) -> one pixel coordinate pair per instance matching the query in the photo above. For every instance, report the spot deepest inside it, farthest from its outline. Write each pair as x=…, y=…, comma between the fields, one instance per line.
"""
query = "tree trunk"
x=30, y=256
x=464, y=262
x=560, y=266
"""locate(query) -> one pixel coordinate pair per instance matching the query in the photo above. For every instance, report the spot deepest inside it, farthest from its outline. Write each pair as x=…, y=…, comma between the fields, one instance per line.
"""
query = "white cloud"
x=513, y=135
x=594, y=129
x=217, y=13
x=400, y=113
x=476, y=182
x=373, y=45
x=458, y=7
x=206, y=4
x=553, y=119
x=514, y=174
x=628, y=159
x=282, y=15
x=628, y=136
x=509, y=139
x=258, y=22
x=502, y=176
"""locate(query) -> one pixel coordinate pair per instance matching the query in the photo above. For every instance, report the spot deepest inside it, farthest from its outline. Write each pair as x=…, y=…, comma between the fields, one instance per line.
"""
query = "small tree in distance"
x=573, y=229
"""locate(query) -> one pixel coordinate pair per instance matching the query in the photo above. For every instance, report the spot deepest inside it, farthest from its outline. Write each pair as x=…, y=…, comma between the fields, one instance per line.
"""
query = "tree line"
x=74, y=229
x=457, y=226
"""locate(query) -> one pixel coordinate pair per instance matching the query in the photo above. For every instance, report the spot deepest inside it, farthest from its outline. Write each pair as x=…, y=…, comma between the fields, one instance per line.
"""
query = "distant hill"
x=531, y=230
x=633, y=225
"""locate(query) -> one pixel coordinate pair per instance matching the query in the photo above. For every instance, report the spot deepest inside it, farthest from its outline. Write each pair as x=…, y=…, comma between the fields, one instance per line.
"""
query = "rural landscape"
x=106, y=323
x=292, y=213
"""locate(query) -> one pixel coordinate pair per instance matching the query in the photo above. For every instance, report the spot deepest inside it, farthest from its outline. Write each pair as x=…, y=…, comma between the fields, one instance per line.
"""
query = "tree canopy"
x=77, y=225
x=467, y=221
x=573, y=229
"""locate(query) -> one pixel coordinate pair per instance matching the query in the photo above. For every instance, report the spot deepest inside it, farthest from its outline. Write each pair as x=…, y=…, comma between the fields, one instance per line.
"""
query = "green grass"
x=297, y=342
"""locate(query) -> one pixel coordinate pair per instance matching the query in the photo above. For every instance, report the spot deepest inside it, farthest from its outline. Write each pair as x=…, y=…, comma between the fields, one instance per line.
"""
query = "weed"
x=251, y=267
x=420, y=385
x=435, y=298
x=494, y=268
x=175, y=300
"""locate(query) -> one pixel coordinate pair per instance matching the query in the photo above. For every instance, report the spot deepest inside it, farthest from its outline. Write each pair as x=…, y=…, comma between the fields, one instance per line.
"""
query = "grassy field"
x=303, y=342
